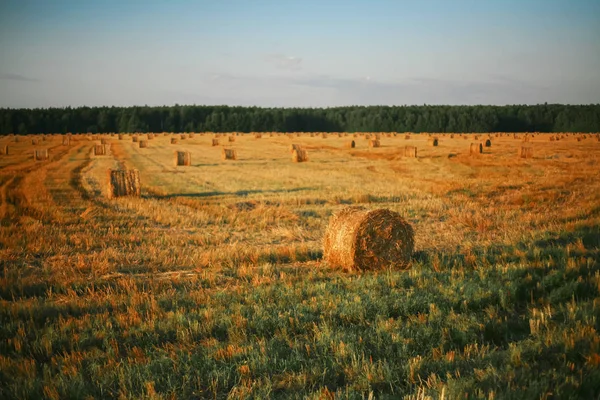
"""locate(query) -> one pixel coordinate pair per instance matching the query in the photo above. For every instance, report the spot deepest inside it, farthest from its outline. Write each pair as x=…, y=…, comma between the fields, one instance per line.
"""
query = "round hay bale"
x=351, y=144
x=359, y=239
x=299, y=155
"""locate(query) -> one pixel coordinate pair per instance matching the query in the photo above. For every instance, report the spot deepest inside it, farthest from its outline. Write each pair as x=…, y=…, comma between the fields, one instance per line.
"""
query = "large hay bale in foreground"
x=229, y=154
x=183, y=158
x=299, y=155
x=124, y=183
x=526, y=152
x=40, y=154
x=358, y=239
x=410, y=151
x=374, y=143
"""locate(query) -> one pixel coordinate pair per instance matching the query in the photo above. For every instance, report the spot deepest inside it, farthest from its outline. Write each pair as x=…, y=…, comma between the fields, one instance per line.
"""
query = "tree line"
x=426, y=118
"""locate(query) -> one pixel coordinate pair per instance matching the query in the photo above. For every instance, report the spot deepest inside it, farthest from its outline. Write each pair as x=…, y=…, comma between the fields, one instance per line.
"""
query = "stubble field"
x=212, y=284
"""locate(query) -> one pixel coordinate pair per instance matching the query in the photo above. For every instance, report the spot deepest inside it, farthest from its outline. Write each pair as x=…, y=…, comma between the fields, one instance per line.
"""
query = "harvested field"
x=211, y=281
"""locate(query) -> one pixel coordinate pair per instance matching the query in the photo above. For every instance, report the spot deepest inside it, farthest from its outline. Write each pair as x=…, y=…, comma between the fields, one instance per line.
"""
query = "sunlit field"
x=212, y=284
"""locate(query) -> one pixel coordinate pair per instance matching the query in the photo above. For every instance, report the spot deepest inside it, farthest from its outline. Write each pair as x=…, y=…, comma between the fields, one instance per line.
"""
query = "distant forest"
x=512, y=118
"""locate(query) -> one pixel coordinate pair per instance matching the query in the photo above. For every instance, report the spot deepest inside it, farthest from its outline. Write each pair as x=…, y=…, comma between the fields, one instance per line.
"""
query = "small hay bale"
x=134, y=139
x=150, y=136
x=215, y=142
x=358, y=239
x=476, y=137
x=324, y=135
x=351, y=144
x=66, y=141
x=182, y=137
x=174, y=141
x=476, y=149
x=191, y=135
x=488, y=143
x=526, y=152
x=374, y=143
x=121, y=136
x=406, y=137
x=433, y=141
x=231, y=139
x=452, y=136
x=40, y=154
x=103, y=141
x=579, y=139
x=34, y=142
x=229, y=154
x=143, y=144
x=100, y=150
x=300, y=155
x=295, y=147
x=552, y=138
x=4, y=150
x=257, y=136
x=410, y=151
x=183, y=158
x=124, y=183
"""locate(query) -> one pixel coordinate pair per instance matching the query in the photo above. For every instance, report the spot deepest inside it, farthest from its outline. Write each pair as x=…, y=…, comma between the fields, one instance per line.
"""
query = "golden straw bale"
x=488, y=143
x=100, y=149
x=351, y=144
x=183, y=158
x=410, y=151
x=124, y=183
x=295, y=147
x=476, y=149
x=433, y=141
x=526, y=152
x=143, y=144
x=300, y=155
x=40, y=154
x=215, y=142
x=231, y=138
x=358, y=239
x=374, y=143
x=4, y=150
x=229, y=154
x=174, y=140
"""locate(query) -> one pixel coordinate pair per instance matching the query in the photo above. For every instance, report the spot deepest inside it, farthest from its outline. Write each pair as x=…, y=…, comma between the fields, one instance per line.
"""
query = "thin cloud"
x=17, y=77
x=282, y=61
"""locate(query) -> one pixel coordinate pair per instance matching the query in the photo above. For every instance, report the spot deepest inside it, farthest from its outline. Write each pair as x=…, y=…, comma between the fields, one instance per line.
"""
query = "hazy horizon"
x=298, y=54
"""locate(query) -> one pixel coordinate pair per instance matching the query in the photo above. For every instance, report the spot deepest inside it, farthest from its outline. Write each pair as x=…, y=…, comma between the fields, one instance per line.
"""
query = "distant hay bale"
x=552, y=138
x=526, y=152
x=121, y=136
x=340, y=135
x=358, y=239
x=215, y=142
x=526, y=138
x=374, y=143
x=103, y=141
x=476, y=137
x=174, y=141
x=312, y=134
x=488, y=143
x=231, y=139
x=124, y=183
x=229, y=154
x=66, y=141
x=182, y=137
x=351, y=144
x=143, y=144
x=40, y=154
x=300, y=155
x=433, y=141
x=257, y=136
x=466, y=137
x=377, y=136
x=191, y=135
x=100, y=150
x=410, y=151
x=406, y=137
x=134, y=139
x=476, y=149
x=295, y=147
x=579, y=139
x=183, y=158
x=452, y=136
x=150, y=136
x=34, y=142
x=4, y=150
x=324, y=135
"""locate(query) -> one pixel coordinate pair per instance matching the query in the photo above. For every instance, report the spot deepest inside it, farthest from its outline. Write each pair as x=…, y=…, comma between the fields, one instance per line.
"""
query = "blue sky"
x=298, y=53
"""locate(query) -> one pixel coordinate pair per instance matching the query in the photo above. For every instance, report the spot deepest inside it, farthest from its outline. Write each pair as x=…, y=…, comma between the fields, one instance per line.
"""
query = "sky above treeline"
x=309, y=53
